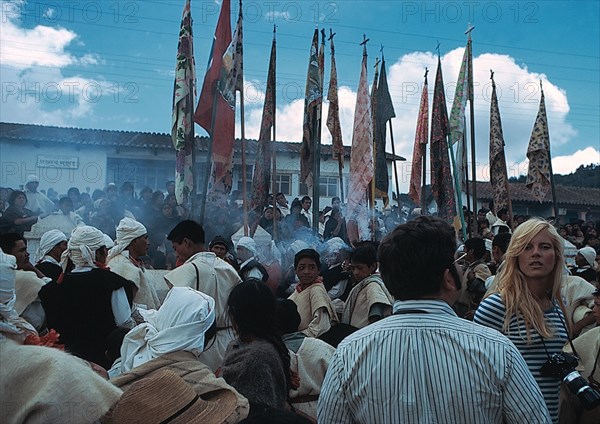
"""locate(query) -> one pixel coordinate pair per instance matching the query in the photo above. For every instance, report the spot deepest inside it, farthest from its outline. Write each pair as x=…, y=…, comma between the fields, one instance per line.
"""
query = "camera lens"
x=588, y=397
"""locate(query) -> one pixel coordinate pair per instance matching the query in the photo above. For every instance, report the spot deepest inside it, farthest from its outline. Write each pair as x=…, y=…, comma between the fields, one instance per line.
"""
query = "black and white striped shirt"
x=491, y=312
x=426, y=365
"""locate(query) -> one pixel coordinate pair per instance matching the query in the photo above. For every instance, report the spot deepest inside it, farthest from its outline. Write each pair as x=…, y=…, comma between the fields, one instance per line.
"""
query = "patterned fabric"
x=441, y=177
x=498, y=172
x=182, y=127
x=385, y=112
x=221, y=40
x=262, y=167
x=333, y=115
x=312, y=111
x=421, y=140
x=538, y=153
x=361, y=157
x=464, y=92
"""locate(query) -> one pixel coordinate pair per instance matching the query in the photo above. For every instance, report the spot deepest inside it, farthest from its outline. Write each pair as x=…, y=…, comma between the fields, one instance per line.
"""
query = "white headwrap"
x=84, y=242
x=11, y=324
x=127, y=231
x=589, y=254
x=48, y=241
x=248, y=243
x=179, y=324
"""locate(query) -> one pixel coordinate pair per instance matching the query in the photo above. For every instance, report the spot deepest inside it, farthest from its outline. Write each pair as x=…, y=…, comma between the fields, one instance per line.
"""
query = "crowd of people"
x=266, y=319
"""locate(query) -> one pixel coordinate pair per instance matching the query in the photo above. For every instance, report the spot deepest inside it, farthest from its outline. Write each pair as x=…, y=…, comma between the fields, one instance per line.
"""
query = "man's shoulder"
x=452, y=326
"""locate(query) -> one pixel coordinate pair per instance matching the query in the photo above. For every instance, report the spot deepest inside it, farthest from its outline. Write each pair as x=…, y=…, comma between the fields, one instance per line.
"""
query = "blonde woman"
x=527, y=306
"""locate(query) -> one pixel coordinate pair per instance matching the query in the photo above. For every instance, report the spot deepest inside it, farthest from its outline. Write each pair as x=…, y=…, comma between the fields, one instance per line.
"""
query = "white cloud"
x=567, y=164
x=519, y=96
x=34, y=87
x=273, y=15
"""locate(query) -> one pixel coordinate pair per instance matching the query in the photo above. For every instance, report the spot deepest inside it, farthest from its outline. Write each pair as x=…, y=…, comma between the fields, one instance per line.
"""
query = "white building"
x=89, y=159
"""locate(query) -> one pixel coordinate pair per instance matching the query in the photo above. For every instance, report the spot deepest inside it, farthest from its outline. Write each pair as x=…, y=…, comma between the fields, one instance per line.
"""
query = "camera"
x=562, y=366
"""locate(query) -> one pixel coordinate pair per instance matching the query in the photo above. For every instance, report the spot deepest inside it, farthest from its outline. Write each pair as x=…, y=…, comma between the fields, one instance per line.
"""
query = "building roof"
x=131, y=139
x=565, y=195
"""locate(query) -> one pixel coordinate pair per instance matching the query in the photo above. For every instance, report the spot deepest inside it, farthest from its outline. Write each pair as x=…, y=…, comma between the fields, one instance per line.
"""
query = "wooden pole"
x=424, y=159
x=209, y=154
x=472, y=121
x=317, y=149
x=395, y=164
x=274, y=139
x=244, y=178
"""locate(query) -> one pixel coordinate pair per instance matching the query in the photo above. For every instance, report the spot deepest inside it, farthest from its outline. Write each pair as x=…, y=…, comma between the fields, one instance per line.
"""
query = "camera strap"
x=566, y=331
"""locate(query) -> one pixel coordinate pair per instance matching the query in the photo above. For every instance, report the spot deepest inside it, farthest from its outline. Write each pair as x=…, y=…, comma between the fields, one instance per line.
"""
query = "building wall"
x=62, y=166
x=57, y=166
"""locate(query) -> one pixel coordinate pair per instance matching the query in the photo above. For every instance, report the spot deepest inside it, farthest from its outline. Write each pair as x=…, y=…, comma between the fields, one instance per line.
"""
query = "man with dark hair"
x=205, y=272
x=282, y=204
x=501, y=224
x=28, y=281
x=474, y=277
x=425, y=364
x=306, y=211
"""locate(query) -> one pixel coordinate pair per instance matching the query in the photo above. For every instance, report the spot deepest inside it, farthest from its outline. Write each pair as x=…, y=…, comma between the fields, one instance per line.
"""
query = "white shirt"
x=430, y=367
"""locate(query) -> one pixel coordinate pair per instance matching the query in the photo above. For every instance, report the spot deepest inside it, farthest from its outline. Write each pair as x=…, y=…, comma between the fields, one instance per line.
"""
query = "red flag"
x=262, y=168
x=312, y=104
x=421, y=140
x=182, y=127
x=230, y=81
x=361, y=157
x=441, y=176
x=221, y=41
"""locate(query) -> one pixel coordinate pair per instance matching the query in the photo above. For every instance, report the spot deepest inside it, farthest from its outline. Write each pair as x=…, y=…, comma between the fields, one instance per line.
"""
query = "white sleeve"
x=120, y=306
x=254, y=273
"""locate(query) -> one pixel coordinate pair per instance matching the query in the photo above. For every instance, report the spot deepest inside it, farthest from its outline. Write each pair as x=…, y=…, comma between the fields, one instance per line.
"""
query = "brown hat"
x=166, y=397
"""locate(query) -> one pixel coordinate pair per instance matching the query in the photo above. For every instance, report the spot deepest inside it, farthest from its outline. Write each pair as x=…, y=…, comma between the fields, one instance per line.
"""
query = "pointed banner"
x=538, y=152
x=441, y=177
x=375, y=132
x=221, y=40
x=464, y=92
x=421, y=140
x=385, y=112
x=312, y=101
x=361, y=158
x=231, y=80
x=182, y=127
x=262, y=168
x=333, y=115
x=498, y=172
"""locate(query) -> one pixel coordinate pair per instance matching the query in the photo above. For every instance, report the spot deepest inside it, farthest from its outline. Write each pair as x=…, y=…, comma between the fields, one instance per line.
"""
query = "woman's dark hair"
x=414, y=256
x=288, y=318
x=13, y=196
x=307, y=253
x=253, y=309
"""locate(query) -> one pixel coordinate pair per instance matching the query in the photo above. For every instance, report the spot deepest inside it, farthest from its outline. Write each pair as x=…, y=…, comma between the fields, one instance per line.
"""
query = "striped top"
x=426, y=365
x=491, y=313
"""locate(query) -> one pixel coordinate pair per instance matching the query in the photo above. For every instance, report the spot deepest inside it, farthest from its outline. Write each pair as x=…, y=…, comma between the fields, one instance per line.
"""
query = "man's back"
x=426, y=365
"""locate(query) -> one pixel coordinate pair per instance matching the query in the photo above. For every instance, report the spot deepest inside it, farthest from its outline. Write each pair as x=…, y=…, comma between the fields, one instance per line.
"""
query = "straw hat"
x=166, y=397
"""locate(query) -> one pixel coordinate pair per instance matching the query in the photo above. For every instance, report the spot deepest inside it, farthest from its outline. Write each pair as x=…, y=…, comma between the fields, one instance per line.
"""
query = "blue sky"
x=109, y=65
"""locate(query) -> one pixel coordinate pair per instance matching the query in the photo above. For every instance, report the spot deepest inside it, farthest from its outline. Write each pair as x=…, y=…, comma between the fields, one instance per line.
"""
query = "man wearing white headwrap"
x=207, y=273
x=181, y=323
x=124, y=259
x=92, y=300
x=587, y=267
x=247, y=254
x=12, y=326
x=52, y=244
x=28, y=281
x=36, y=201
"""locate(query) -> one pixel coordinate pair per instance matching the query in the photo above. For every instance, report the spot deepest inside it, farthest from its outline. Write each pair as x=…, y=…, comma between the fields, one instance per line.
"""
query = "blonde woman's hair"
x=512, y=286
